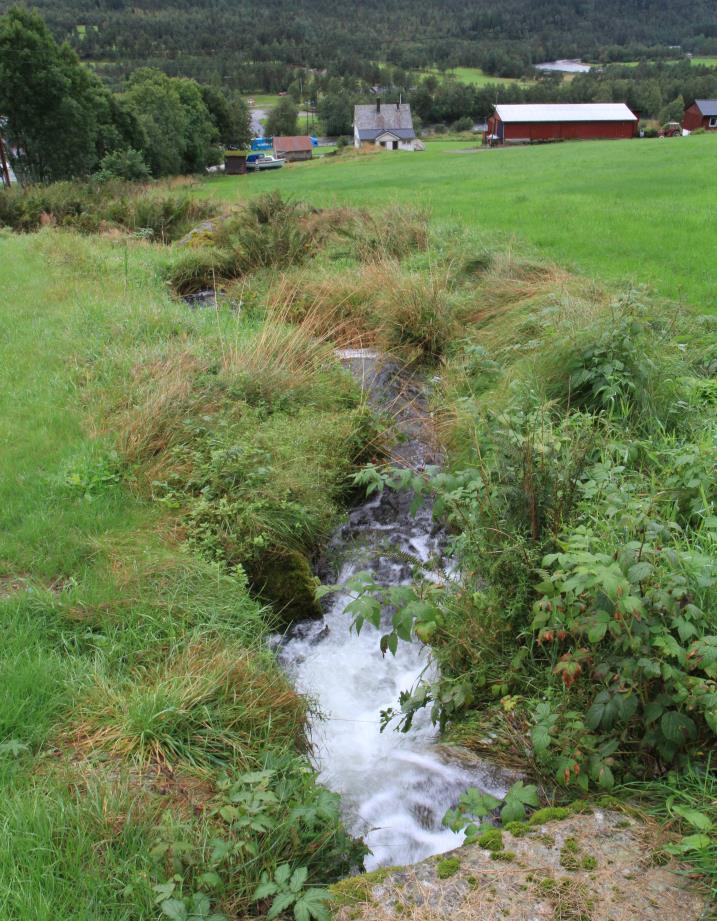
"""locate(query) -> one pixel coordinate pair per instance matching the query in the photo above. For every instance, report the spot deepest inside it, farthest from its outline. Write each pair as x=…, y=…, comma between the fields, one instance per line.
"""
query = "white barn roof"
x=582, y=112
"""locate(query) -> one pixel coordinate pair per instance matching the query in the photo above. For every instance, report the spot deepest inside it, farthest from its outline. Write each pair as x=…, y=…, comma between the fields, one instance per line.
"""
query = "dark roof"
x=708, y=107
x=293, y=143
x=374, y=120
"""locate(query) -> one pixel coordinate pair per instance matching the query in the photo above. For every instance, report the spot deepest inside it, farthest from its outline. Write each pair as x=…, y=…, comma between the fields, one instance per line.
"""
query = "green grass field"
x=474, y=76
x=639, y=212
x=705, y=61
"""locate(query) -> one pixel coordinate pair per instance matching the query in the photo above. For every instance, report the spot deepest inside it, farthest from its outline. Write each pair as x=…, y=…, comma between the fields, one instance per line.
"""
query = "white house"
x=389, y=126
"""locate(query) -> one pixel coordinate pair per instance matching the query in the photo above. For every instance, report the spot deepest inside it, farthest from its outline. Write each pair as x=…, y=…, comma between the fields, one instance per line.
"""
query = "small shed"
x=530, y=124
x=701, y=114
x=235, y=162
x=298, y=147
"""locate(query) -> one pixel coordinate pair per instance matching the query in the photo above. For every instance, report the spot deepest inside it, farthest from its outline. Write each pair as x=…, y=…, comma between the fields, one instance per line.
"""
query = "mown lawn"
x=638, y=212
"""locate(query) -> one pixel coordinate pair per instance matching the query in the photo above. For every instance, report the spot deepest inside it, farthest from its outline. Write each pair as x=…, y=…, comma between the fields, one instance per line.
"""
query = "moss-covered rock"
x=285, y=581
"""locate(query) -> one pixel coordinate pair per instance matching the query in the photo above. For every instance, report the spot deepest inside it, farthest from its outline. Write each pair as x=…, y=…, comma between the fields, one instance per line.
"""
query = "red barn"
x=530, y=124
x=701, y=114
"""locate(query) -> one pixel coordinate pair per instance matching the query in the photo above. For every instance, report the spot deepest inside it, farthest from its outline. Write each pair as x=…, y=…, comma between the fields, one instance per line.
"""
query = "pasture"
x=638, y=212
x=474, y=76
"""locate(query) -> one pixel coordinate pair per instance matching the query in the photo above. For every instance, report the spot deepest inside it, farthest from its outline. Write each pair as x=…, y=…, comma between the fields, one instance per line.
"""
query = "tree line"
x=60, y=120
x=246, y=45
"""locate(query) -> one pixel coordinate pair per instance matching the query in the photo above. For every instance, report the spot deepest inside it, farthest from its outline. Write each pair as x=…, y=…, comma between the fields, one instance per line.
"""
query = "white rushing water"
x=395, y=787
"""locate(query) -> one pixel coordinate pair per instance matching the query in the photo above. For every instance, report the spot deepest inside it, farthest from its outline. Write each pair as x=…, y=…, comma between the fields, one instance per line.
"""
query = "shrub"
x=126, y=164
x=462, y=124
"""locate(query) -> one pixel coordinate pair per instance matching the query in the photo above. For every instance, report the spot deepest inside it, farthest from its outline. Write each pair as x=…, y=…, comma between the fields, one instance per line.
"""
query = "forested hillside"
x=225, y=38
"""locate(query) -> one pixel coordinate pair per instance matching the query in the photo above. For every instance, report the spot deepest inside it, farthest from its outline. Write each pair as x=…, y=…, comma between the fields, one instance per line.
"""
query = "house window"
x=713, y=122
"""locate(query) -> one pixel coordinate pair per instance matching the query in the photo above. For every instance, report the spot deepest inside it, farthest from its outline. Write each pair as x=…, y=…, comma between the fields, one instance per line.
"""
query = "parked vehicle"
x=256, y=162
x=670, y=130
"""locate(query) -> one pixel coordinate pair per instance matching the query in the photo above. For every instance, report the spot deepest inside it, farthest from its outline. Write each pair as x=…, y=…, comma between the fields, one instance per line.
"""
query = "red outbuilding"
x=530, y=124
x=701, y=114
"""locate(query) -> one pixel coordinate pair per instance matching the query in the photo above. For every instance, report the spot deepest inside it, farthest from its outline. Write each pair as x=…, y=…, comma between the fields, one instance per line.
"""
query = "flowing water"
x=395, y=787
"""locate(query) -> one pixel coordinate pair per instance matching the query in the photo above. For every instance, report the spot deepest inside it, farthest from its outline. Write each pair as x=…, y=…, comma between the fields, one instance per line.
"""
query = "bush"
x=124, y=164
x=462, y=124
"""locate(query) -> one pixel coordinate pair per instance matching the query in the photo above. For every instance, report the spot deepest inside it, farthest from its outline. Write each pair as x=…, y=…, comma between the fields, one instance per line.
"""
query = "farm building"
x=701, y=114
x=528, y=124
x=290, y=148
x=389, y=125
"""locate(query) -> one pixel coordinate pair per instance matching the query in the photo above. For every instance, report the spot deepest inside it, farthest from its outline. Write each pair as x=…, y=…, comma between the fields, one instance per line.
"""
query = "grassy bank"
x=633, y=212
x=153, y=756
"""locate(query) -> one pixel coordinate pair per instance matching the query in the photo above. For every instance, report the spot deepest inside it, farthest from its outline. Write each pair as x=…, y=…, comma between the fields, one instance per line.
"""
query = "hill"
x=220, y=37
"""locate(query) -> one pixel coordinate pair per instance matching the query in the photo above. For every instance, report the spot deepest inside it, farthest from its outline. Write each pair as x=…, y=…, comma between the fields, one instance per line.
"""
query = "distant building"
x=389, y=125
x=529, y=124
x=298, y=147
x=701, y=114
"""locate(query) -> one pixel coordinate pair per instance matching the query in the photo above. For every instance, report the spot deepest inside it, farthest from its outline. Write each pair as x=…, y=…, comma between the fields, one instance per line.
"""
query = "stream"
x=395, y=787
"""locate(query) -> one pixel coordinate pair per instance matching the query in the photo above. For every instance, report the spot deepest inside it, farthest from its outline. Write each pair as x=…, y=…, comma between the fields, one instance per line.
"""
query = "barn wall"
x=693, y=118
x=555, y=131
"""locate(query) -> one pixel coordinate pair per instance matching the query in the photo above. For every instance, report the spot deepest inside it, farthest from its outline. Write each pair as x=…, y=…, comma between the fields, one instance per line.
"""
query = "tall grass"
x=156, y=210
x=211, y=703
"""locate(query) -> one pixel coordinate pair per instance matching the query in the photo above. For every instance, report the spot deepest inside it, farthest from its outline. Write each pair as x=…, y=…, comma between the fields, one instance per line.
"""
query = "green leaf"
x=164, y=890
x=694, y=817
x=517, y=798
x=280, y=903
x=677, y=727
x=282, y=874
x=690, y=843
x=477, y=803
x=264, y=890
x=174, y=909
x=540, y=735
x=200, y=904
x=313, y=905
x=298, y=878
x=640, y=571
x=597, y=632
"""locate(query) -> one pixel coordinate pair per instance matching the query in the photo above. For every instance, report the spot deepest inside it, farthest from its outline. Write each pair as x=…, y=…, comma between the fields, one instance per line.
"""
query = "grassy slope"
x=630, y=212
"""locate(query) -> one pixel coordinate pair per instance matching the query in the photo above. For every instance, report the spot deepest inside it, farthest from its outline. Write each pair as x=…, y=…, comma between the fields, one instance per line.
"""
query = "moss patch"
x=356, y=889
x=285, y=580
x=447, y=867
x=491, y=840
